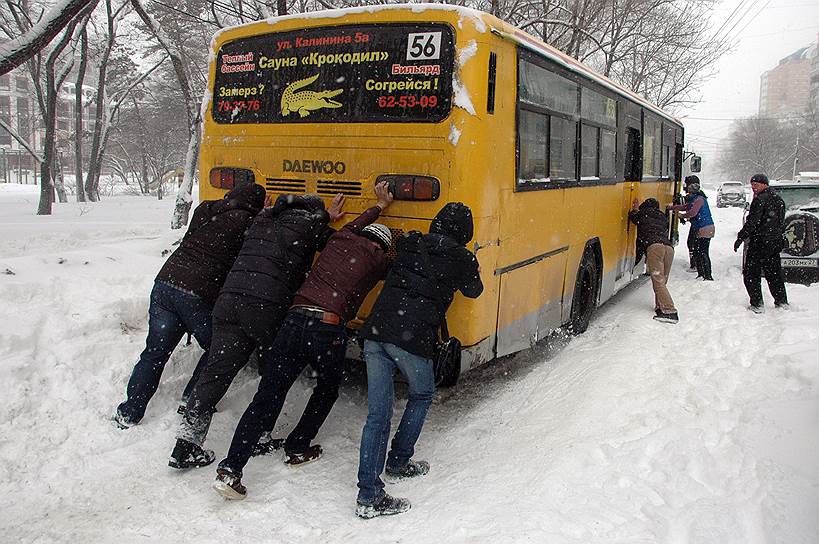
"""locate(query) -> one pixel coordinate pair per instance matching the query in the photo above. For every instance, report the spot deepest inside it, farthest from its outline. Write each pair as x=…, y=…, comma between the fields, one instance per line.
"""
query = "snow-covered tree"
x=48, y=69
x=40, y=31
x=187, y=75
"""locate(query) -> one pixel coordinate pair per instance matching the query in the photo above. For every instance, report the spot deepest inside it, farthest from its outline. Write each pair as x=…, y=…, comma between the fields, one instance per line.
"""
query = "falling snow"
x=636, y=431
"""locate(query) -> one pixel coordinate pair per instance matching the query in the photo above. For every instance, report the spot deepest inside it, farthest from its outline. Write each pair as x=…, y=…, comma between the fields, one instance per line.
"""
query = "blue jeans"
x=301, y=340
x=172, y=313
x=382, y=360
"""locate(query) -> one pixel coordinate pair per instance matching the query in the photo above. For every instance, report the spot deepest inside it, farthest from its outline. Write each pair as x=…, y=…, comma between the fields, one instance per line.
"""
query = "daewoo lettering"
x=314, y=166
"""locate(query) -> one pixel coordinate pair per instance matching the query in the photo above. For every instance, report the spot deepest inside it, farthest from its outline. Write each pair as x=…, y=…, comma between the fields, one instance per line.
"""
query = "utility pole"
x=796, y=155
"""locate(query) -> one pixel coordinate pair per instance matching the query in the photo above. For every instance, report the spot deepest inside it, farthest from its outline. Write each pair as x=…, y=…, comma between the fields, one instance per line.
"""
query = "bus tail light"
x=230, y=178
x=412, y=187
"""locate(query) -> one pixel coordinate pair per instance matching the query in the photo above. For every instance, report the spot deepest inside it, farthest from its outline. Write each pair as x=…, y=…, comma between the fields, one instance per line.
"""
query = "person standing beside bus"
x=314, y=333
x=185, y=290
x=763, y=229
x=274, y=260
x=698, y=213
x=652, y=239
x=400, y=333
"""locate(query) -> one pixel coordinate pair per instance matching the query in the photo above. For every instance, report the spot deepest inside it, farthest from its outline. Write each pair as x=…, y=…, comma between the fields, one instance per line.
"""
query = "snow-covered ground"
x=635, y=432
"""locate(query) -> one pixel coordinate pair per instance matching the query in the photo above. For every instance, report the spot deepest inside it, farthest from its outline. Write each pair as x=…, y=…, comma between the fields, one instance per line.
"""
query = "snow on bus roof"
x=516, y=35
x=477, y=15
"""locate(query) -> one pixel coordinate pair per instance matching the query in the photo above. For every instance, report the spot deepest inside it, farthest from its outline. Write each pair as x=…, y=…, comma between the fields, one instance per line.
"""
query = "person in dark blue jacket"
x=400, y=334
x=698, y=213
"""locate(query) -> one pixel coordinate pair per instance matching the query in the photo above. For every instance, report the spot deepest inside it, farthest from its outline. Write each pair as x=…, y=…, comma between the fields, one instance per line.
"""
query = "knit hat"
x=759, y=178
x=378, y=233
x=692, y=184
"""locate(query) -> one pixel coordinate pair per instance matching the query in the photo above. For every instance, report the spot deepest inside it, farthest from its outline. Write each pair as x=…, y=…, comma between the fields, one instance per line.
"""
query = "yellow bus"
x=450, y=104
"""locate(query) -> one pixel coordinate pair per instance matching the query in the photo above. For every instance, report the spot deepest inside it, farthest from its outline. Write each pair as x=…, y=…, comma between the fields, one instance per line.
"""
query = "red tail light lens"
x=230, y=178
x=412, y=187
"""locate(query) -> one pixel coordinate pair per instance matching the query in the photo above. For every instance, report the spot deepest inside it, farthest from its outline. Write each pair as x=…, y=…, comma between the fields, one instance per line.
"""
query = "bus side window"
x=634, y=155
x=490, y=92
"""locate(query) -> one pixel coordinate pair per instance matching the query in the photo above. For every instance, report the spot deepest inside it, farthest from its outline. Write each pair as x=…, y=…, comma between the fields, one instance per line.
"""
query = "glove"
x=737, y=244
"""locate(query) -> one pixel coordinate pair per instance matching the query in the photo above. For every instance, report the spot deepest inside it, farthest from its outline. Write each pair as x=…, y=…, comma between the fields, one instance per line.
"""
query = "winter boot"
x=229, y=485
x=670, y=317
x=385, y=506
x=757, y=309
x=266, y=447
x=188, y=455
x=782, y=306
x=312, y=453
x=123, y=421
x=411, y=470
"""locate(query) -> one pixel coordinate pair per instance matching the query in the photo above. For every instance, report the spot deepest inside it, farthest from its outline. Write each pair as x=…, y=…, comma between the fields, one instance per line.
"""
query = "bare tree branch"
x=19, y=50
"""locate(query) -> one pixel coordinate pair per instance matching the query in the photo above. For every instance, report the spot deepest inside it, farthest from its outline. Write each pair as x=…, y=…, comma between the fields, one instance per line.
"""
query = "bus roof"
x=481, y=19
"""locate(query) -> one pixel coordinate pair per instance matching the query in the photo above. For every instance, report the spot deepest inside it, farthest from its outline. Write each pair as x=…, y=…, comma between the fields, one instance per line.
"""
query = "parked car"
x=731, y=193
x=800, y=259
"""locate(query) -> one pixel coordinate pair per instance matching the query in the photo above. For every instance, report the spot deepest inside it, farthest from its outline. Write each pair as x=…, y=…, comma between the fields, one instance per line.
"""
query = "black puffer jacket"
x=419, y=289
x=766, y=218
x=201, y=262
x=279, y=249
x=652, y=226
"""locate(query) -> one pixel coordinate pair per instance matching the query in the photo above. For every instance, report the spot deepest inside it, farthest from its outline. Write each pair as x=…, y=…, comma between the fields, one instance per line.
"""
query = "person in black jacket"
x=653, y=241
x=274, y=260
x=400, y=333
x=763, y=230
x=185, y=291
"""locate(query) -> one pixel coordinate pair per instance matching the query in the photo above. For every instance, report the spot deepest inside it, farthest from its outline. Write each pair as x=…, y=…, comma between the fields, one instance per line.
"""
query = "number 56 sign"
x=424, y=46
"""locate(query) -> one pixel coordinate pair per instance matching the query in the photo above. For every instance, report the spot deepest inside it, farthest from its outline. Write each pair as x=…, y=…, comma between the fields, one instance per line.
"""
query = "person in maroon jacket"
x=314, y=333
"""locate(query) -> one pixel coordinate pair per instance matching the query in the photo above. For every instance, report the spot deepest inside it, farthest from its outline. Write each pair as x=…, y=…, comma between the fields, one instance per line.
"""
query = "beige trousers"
x=658, y=261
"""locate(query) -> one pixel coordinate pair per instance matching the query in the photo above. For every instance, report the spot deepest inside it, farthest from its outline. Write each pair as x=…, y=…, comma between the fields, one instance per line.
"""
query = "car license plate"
x=807, y=263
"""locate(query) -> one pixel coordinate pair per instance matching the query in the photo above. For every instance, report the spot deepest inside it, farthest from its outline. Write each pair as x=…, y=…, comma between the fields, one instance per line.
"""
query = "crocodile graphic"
x=306, y=101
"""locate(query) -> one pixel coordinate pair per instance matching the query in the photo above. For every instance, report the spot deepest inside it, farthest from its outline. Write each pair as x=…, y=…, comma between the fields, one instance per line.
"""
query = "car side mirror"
x=696, y=164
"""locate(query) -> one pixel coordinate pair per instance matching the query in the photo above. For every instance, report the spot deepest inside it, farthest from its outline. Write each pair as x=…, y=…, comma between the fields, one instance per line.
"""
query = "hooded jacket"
x=421, y=284
x=652, y=226
x=207, y=251
x=279, y=248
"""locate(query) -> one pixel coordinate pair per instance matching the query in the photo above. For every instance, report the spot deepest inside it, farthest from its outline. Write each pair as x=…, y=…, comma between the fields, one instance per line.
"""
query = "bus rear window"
x=342, y=74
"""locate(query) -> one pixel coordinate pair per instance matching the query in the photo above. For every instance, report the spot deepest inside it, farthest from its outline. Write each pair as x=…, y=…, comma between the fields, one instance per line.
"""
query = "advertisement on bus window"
x=348, y=74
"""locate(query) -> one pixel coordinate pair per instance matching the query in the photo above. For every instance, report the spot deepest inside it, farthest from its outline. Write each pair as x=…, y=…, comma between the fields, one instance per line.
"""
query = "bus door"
x=631, y=189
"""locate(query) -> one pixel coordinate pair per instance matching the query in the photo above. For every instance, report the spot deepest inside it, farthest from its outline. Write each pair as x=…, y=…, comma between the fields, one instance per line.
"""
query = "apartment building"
x=20, y=110
x=786, y=89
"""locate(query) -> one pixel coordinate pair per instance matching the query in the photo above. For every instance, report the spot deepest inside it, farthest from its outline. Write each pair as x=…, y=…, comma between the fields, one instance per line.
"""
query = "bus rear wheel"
x=584, y=300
